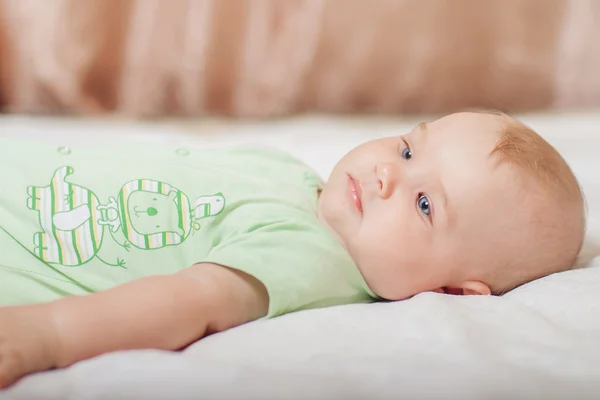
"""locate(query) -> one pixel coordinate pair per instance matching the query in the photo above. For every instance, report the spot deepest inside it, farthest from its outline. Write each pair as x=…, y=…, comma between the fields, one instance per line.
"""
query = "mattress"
x=541, y=340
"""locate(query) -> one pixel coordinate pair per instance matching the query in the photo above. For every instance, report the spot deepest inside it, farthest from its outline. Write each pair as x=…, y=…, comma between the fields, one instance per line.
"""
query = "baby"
x=115, y=247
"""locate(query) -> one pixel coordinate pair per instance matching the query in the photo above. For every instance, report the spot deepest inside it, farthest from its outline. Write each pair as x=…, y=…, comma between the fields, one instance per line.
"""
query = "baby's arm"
x=161, y=312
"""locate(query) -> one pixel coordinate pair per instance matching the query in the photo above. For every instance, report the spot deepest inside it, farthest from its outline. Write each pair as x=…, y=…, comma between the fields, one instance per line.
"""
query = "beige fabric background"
x=275, y=57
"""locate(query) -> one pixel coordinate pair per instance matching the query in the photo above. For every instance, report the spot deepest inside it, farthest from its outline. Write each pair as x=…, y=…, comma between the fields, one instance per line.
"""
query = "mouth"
x=355, y=193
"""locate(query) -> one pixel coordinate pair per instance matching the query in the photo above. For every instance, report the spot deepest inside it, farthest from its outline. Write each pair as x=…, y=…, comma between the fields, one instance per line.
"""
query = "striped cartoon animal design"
x=147, y=214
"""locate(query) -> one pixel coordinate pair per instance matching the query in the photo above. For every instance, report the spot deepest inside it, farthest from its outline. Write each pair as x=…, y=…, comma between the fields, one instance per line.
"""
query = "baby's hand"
x=28, y=343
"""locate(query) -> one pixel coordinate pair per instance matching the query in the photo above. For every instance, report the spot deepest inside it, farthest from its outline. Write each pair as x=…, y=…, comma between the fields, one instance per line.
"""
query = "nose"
x=152, y=211
x=387, y=175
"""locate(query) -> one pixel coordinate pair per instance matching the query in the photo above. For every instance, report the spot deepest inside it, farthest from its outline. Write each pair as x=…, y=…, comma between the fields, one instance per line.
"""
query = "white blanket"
x=539, y=341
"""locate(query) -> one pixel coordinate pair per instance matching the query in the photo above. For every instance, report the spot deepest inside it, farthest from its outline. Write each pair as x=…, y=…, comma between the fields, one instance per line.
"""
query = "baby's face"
x=425, y=211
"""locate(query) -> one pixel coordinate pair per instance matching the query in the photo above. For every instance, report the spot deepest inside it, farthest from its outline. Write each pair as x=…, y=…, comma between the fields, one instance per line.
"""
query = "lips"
x=355, y=193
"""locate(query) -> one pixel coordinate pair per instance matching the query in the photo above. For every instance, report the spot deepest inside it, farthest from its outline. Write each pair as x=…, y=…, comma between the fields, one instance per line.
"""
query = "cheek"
x=393, y=253
x=384, y=253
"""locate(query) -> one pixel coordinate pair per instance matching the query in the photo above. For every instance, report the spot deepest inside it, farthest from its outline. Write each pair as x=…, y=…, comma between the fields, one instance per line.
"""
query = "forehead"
x=475, y=184
x=479, y=132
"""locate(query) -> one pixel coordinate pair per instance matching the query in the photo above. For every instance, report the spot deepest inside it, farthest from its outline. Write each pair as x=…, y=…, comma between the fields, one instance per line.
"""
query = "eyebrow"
x=424, y=130
x=444, y=202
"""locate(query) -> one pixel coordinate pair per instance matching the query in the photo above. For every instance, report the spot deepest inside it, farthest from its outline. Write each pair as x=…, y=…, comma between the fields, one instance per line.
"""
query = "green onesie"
x=79, y=220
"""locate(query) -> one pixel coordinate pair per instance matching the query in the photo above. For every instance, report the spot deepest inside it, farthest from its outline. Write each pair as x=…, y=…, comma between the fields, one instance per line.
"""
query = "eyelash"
x=405, y=150
x=406, y=153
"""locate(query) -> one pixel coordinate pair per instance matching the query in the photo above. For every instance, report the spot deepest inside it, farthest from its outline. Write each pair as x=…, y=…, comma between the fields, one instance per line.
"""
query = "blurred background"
x=275, y=58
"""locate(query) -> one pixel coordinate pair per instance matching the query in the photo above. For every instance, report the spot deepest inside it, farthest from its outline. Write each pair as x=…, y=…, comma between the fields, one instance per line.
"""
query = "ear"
x=467, y=288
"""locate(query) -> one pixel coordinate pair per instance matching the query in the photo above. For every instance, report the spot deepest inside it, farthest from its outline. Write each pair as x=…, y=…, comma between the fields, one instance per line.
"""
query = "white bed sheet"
x=539, y=341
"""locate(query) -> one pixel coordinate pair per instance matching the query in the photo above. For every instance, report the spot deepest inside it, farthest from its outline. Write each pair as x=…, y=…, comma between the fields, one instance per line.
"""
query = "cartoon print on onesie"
x=147, y=214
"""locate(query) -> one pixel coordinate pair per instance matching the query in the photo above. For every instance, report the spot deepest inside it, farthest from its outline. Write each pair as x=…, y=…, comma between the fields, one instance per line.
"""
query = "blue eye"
x=407, y=153
x=423, y=204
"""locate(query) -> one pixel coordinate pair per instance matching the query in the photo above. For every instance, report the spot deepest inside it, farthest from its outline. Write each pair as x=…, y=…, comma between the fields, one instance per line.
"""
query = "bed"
x=540, y=341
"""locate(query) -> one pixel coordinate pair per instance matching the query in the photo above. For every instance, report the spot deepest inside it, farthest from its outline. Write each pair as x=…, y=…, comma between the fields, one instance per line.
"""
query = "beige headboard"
x=275, y=57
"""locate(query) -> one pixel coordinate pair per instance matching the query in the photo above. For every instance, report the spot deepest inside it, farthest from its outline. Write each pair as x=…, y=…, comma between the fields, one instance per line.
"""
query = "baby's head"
x=472, y=203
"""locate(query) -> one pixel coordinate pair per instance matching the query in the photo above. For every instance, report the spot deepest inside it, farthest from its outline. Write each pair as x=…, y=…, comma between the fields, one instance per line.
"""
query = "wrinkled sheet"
x=540, y=341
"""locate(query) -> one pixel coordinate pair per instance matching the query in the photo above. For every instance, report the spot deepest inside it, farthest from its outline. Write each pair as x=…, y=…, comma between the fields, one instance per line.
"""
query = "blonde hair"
x=560, y=225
